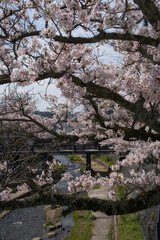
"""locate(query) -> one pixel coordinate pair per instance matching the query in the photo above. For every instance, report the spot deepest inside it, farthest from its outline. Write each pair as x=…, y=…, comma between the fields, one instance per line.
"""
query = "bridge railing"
x=83, y=147
x=63, y=147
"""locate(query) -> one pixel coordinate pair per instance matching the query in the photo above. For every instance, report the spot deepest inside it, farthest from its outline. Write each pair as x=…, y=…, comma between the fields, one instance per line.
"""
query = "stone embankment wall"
x=148, y=219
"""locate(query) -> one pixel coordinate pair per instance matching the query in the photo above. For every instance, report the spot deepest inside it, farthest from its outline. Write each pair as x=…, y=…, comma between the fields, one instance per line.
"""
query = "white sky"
x=39, y=89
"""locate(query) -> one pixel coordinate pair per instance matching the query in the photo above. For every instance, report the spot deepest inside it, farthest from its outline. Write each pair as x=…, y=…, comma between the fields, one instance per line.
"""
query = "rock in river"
x=52, y=234
x=53, y=215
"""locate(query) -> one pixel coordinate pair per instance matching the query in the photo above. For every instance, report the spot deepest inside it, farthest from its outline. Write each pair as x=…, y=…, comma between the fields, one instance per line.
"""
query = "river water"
x=25, y=224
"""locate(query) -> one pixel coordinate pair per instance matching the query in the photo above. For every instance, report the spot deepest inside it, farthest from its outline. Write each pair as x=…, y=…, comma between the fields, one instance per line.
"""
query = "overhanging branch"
x=141, y=202
x=4, y=79
x=97, y=38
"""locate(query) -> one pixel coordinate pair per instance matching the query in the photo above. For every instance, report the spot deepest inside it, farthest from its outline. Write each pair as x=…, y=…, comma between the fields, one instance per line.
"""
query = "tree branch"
x=99, y=37
x=141, y=202
x=106, y=93
x=109, y=36
x=149, y=10
x=130, y=133
x=4, y=79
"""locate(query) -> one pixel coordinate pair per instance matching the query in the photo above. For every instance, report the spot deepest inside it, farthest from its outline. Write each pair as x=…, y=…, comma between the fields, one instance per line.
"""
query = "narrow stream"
x=25, y=224
x=72, y=167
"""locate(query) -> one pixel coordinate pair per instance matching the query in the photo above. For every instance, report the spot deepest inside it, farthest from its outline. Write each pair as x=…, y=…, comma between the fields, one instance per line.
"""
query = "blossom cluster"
x=46, y=175
x=137, y=179
x=5, y=194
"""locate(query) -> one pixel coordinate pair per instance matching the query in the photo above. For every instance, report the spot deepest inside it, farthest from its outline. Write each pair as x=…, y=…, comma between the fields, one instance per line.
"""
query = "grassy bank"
x=104, y=158
x=110, y=235
x=128, y=228
x=74, y=157
x=82, y=229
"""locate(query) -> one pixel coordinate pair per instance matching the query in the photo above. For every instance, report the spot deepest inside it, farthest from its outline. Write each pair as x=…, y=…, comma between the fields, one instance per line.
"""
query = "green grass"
x=82, y=169
x=48, y=223
x=61, y=168
x=96, y=187
x=82, y=229
x=128, y=228
x=106, y=159
x=110, y=235
x=74, y=157
x=121, y=191
x=14, y=190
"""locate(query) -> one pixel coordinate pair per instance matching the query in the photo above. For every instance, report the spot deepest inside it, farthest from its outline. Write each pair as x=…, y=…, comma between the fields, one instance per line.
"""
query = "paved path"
x=99, y=166
x=102, y=223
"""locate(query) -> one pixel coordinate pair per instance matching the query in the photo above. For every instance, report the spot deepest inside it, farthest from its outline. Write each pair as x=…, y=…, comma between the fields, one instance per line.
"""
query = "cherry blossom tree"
x=65, y=41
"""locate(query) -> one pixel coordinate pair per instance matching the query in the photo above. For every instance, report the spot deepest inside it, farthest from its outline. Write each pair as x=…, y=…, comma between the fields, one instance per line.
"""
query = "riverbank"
x=99, y=163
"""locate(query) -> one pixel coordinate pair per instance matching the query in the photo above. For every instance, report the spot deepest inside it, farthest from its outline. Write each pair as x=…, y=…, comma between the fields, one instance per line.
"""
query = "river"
x=25, y=224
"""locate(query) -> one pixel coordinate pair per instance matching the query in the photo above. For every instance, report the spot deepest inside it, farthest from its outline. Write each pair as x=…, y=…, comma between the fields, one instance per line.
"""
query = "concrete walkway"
x=102, y=223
